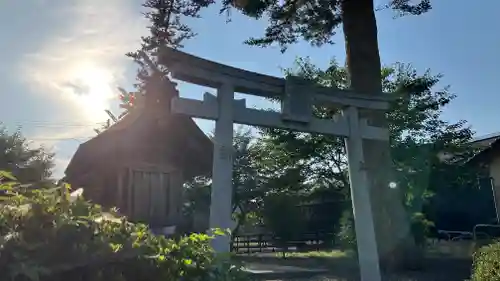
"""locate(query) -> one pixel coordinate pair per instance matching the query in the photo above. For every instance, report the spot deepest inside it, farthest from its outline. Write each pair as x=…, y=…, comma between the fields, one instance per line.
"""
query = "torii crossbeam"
x=298, y=98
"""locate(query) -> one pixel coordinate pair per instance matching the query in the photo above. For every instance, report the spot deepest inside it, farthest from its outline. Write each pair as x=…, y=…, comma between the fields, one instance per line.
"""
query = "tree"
x=316, y=22
x=283, y=218
x=418, y=137
x=166, y=29
x=248, y=193
x=26, y=163
x=247, y=190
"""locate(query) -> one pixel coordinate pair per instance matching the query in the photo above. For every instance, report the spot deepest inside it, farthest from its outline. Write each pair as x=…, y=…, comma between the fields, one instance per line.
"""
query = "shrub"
x=486, y=265
x=346, y=235
x=46, y=236
x=420, y=228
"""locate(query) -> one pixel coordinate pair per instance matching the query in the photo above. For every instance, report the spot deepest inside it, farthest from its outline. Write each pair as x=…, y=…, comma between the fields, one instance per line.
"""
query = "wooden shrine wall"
x=150, y=195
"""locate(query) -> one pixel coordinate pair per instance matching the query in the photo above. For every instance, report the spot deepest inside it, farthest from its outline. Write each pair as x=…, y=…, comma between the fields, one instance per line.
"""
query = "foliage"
x=247, y=191
x=283, y=218
x=420, y=227
x=416, y=128
x=47, y=235
x=196, y=200
x=486, y=265
x=166, y=29
x=317, y=163
x=28, y=163
x=315, y=22
x=346, y=235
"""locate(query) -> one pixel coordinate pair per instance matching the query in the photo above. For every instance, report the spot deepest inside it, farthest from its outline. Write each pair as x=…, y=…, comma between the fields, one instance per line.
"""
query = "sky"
x=62, y=60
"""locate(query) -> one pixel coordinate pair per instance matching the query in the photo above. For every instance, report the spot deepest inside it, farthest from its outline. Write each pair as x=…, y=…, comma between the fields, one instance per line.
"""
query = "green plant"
x=486, y=265
x=283, y=218
x=420, y=227
x=47, y=235
x=346, y=235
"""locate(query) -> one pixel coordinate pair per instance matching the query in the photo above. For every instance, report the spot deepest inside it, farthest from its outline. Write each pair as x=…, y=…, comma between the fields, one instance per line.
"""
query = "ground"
x=441, y=264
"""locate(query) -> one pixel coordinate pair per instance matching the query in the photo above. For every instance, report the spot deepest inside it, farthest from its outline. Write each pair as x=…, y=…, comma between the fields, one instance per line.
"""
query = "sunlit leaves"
x=6, y=176
x=44, y=236
x=418, y=134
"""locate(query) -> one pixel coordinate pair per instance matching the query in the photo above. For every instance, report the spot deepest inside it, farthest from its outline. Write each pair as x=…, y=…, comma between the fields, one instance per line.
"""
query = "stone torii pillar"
x=298, y=98
x=222, y=170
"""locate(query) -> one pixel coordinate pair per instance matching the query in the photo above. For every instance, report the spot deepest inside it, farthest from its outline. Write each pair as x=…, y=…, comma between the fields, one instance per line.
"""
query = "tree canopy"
x=22, y=159
x=419, y=135
x=312, y=21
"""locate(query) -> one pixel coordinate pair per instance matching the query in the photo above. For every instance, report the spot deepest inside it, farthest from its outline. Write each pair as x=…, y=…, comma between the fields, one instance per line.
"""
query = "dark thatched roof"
x=489, y=145
x=148, y=133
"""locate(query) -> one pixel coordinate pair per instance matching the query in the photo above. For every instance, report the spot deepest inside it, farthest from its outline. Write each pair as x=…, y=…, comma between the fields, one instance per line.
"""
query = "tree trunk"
x=396, y=246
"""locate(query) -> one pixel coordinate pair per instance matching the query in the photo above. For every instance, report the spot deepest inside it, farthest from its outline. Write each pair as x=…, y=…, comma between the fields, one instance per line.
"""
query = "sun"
x=92, y=90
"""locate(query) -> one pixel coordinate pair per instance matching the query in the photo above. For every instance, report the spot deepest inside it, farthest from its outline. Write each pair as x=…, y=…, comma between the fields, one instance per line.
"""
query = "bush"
x=44, y=235
x=420, y=228
x=486, y=265
x=346, y=235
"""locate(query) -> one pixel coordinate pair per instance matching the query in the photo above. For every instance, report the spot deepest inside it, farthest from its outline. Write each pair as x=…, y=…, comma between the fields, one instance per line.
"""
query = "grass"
x=316, y=254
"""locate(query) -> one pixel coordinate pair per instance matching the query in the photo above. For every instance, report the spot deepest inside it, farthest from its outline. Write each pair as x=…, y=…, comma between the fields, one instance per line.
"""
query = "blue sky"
x=51, y=47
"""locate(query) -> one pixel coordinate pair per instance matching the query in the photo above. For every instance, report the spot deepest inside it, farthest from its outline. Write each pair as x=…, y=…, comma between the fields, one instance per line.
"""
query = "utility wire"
x=54, y=124
x=60, y=139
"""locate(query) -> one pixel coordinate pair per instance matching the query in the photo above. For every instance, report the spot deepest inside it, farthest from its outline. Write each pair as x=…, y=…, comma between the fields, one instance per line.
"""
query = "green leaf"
x=8, y=186
x=218, y=232
x=7, y=175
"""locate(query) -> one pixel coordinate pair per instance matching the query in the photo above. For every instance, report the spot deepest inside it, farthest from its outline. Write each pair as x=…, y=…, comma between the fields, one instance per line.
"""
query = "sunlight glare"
x=93, y=90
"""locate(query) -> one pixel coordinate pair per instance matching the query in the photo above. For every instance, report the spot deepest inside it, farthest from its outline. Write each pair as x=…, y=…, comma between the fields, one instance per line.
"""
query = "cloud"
x=78, y=66
x=60, y=166
x=95, y=38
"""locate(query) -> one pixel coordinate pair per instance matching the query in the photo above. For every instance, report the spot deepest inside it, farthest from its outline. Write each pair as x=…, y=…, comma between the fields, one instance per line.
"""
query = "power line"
x=60, y=139
x=54, y=124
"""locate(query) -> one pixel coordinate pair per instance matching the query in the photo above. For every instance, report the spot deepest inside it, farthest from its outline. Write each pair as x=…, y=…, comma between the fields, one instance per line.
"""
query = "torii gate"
x=298, y=97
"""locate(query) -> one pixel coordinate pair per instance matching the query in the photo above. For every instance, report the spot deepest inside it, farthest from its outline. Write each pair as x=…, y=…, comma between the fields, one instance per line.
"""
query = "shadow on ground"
x=346, y=268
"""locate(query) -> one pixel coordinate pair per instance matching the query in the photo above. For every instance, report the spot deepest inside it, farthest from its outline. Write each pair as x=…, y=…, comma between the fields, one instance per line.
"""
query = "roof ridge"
x=485, y=137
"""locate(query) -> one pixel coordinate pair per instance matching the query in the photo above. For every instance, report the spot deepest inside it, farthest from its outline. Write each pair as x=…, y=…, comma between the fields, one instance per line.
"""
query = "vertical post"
x=222, y=177
x=361, y=202
x=494, y=190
